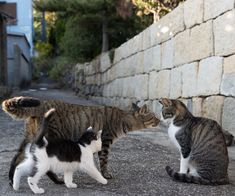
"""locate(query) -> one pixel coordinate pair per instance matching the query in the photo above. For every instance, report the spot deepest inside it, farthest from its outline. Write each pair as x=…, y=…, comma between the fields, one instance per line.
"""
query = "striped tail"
x=40, y=140
x=188, y=178
x=21, y=107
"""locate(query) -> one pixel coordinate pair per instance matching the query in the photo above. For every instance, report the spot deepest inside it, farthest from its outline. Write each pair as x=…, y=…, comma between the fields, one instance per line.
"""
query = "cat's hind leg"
x=33, y=181
x=103, y=156
x=23, y=169
x=68, y=179
x=17, y=160
x=19, y=171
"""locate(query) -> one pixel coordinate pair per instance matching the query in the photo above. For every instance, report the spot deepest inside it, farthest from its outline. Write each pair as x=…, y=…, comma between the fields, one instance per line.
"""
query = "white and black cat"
x=64, y=156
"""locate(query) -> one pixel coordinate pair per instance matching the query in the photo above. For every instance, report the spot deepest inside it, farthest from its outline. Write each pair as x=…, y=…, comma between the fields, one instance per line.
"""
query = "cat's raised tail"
x=40, y=140
x=188, y=178
x=21, y=107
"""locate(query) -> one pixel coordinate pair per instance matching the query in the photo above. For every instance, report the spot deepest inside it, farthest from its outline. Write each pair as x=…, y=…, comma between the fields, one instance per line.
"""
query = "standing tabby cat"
x=204, y=156
x=70, y=120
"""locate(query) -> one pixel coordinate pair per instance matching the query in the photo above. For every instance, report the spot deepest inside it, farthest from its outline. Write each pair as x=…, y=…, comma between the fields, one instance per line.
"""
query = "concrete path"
x=137, y=162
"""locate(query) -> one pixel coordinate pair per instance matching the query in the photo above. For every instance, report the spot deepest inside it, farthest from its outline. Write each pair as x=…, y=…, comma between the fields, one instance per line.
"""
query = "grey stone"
x=214, y=8
x=146, y=38
x=167, y=54
x=189, y=79
x=137, y=63
x=168, y=26
x=159, y=84
x=176, y=83
x=229, y=65
x=193, y=12
x=156, y=57
x=137, y=43
x=228, y=85
x=153, y=83
x=140, y=84
x=104, y=61
x=209, y=76
x=224, y=31
x=128, y=89
x=212, y=107
x=193, y=44
x=148, y=60
x=197, y=106
x=228, y=115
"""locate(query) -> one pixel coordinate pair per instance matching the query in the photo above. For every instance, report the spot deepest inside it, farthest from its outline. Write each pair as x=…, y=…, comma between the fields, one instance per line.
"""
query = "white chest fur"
x=172, y=130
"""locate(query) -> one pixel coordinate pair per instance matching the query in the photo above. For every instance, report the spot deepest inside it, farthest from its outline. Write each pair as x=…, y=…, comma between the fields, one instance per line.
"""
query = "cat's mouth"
x=168, y=115
x=165, y=116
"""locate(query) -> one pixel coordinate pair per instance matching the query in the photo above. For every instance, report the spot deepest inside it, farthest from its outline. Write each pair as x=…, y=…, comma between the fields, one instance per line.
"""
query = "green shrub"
x=42, y=63
x=59, y=66
x=44, y=49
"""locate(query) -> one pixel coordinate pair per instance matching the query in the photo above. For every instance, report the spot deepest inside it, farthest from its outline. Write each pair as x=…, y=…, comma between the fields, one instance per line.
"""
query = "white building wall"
x=24, y=19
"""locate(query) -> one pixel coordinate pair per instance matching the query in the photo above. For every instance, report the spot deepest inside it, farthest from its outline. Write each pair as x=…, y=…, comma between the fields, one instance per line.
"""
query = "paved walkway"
x=137, y=162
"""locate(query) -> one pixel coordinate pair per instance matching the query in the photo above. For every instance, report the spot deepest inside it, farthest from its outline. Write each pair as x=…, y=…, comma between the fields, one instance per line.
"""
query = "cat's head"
x=172, y=109
x=146, y=118
x=92, y=138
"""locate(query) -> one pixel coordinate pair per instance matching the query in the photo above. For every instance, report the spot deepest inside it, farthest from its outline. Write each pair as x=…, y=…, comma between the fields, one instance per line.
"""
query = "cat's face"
x=171, y=109
x=145, y=116
x=96, y=142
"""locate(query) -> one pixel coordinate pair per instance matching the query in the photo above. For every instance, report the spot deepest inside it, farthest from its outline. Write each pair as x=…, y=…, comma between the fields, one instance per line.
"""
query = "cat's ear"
x=165, y=102
x=89, y=128
x=99, y=134
x=135, y=107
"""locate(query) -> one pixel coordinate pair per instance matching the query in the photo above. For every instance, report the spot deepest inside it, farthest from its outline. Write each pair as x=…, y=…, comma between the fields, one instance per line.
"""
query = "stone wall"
x=188, y=55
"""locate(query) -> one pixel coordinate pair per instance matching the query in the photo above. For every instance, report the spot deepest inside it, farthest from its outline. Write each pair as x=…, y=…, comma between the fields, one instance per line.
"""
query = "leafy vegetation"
x=157, y=8
x=79, y=30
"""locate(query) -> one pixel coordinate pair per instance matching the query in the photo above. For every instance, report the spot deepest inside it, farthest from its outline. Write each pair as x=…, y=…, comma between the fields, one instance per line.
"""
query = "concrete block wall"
x=188, y=55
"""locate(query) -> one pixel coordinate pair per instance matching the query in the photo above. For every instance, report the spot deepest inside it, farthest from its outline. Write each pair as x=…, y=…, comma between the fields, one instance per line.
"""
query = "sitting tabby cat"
x=64, y=156
x=70, y=120
x=204, y=155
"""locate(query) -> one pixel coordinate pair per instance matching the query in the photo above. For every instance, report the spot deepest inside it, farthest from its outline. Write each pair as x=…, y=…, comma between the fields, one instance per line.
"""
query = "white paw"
x=15, y=186
x=30, y=181
x=72, y=185
x=104, y=181
x=39, y=191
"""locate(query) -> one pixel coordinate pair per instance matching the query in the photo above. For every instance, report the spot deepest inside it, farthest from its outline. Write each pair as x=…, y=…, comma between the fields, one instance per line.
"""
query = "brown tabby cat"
x=70, y=120
x=204, y=155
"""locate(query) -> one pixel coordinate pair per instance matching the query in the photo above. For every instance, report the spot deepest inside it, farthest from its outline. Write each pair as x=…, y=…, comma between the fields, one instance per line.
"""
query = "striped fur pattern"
x=70, y=120
x=204, y=155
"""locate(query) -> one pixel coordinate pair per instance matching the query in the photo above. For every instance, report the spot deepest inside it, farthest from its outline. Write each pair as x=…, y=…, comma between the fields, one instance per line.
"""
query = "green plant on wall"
x=157, y=8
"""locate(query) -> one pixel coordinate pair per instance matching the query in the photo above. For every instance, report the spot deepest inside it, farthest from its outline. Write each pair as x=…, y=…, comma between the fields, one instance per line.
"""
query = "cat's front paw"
x=72, y=185
x=34, y=187
x=39, y=191
x=104, y=181
x=107, y=174
x=15, y=186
